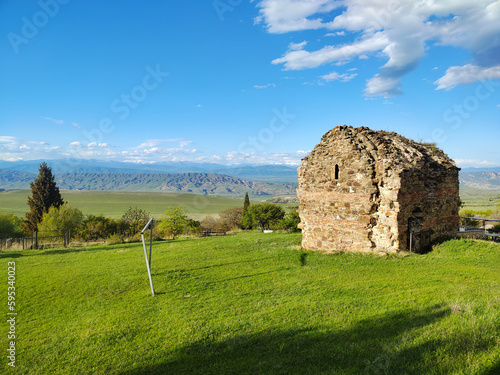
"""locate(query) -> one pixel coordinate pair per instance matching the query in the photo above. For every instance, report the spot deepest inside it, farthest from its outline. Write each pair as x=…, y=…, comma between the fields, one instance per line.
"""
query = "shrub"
x=211, y=223
x=469, y=222
x=232, y=217
x=97, y=227
x=115, y=239
x=61, y=219
x=291, y=221
x=10, y=226
x=193, y=227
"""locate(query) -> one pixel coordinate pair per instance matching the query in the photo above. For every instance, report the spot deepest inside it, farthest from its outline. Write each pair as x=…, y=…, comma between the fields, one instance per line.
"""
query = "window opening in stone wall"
x=336, y=171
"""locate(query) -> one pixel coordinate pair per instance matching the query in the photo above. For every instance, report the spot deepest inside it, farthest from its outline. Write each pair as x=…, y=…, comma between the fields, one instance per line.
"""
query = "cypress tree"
x=44, y=194
x=246, y=220
x=246, y=203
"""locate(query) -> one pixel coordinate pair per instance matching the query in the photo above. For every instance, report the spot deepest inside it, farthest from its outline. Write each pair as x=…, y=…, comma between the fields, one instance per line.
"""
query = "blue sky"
x=238, y=81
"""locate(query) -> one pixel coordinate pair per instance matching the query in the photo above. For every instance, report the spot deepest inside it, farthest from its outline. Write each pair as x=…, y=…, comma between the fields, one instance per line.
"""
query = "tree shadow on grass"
x=388, y=344
x=10, y=255
x=493, y=370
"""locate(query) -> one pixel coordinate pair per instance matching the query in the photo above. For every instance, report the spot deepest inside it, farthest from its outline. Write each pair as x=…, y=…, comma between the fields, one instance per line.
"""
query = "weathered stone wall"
x=430, y=201
x=360, y=189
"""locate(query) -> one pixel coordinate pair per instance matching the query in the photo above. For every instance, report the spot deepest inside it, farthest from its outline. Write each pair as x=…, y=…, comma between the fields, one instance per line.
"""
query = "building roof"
x=393, y=150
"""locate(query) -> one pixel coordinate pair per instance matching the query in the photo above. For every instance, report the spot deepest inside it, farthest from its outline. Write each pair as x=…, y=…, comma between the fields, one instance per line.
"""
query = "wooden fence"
x=36, y=240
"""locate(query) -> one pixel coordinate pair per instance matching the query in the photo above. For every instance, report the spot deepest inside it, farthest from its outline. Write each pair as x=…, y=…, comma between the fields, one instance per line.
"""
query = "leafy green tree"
x=135, y=219
x=10, y=226
x=44, y=194
x=246, y=203
x=174, y=221
x=266, y=214
x=291, y=221
x=246, y=219
x=61, y=219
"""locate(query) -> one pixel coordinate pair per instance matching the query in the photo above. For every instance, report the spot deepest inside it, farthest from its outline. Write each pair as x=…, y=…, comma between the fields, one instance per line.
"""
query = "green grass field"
x=479, y=200
x=253, y=303
x=114, y=203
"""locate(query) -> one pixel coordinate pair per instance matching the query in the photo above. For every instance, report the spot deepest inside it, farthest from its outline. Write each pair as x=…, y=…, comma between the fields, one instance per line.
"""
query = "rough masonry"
x=374, y=191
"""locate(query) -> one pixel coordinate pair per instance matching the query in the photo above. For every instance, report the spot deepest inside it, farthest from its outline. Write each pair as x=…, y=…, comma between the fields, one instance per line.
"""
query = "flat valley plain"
x=114, y=203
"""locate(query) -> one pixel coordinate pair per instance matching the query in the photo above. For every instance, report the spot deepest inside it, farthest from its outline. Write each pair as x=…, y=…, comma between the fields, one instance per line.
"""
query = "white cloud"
x=281, y=16
x=460, y=75
x=396, y=30
x=288, y=158
x=183, y=142
x=260, y=87
x=297, y=60
x=75, y=144
x=338, y=33
x=296, y=46
x=473, y=163
x=76, y=125
x=8, y=140
x=157, y=142
x=385, y=86
x=58, y=122
x=334, y=76
x=95, y=144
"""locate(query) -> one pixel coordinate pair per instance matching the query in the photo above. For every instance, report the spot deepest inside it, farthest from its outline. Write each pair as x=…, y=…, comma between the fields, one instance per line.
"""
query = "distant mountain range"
x=487, y=180
x=94, y=175
x=266, y=173
x=199, y=178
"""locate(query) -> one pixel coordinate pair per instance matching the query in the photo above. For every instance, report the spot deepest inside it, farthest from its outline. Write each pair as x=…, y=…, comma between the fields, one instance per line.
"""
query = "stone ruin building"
x=374, y=191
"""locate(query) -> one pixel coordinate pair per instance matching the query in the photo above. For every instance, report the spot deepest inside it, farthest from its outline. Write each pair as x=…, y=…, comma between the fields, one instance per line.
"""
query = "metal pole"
x=150, y=242
x=147, y=264
x=148, y=261
x=411, y=239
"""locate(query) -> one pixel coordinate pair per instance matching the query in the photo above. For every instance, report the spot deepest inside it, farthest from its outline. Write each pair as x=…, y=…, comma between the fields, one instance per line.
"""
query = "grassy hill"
x=252, y=303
